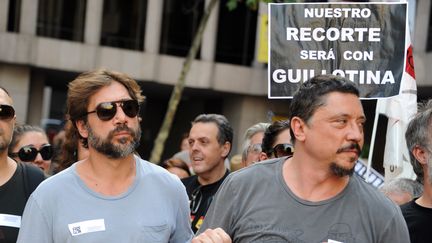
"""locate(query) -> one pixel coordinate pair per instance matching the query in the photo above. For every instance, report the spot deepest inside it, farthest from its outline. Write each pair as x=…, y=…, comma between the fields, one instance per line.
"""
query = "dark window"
x=179, y=24
x=236, y=34
x=123, y=24
x=429, y=39
x=14, y=15
x=62, y=19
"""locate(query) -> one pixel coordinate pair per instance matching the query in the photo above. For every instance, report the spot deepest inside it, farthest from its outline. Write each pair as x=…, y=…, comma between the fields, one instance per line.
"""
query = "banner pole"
x=372, y=143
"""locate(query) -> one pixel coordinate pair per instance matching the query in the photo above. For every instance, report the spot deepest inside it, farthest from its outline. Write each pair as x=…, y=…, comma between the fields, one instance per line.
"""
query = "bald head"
x=6, y=123
x=5, y=97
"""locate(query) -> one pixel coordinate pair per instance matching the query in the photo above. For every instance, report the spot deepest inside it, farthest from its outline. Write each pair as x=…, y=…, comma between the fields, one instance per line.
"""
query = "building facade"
x=44, y=44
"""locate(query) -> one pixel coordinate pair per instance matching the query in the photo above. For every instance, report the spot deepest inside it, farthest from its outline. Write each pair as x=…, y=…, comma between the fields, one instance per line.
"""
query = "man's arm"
x=222, y=210
x=396, y=230
x=183, y=231
x=34, y=227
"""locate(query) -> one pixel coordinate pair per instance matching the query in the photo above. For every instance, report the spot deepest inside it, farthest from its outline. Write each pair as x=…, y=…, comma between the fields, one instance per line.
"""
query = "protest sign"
x=362, y=42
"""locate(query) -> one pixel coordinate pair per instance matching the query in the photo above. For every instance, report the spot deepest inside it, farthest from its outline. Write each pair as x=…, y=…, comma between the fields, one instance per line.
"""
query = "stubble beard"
x=341, y=171
x=125, y=145
x=3, y=141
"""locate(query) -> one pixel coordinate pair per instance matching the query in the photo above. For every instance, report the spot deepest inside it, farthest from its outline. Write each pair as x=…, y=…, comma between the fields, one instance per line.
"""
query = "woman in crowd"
x=30, y=144
x=177, y=167
x=71, y=149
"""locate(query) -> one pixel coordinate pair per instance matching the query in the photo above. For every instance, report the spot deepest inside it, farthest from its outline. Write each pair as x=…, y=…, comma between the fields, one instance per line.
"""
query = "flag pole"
x=372, y=143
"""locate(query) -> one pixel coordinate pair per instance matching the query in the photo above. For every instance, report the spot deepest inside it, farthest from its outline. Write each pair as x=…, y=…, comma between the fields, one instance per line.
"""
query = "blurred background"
x=44, y=44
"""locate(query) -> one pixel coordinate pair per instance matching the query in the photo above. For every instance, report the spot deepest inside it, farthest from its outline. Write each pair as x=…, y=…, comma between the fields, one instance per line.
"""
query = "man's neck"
x=106, y=175
x=212, y=176
x=312, y=183
x=426, y=198
x=7, y=168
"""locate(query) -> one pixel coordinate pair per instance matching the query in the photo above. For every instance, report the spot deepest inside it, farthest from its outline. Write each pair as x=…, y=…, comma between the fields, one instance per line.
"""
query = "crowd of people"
x=297, y=183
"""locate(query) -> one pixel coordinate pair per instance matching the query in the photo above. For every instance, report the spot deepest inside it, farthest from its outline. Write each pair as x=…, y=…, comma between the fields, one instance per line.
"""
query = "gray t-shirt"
x=255, y=205
x=63, y=209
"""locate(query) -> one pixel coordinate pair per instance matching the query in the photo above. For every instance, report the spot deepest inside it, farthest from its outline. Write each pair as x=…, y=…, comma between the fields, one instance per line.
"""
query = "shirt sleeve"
x=222, y=210
x=396, y=230
x=183, y=231
x=34, y=226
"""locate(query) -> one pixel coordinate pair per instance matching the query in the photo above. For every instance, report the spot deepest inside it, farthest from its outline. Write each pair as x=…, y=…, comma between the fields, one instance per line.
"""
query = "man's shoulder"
x=370, y=197
x=55, y=184
x=157, y=174
x=256, y=175
x=33, y=173
x=261, y=168
x=190, y=182
x=149, y=168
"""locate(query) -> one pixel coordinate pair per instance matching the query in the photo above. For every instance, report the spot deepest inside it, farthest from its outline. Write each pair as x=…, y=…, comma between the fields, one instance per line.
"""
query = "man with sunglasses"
x=17, y=180
x=252, y=143
x=210, y=140
x=312, y=196
x=112, y=195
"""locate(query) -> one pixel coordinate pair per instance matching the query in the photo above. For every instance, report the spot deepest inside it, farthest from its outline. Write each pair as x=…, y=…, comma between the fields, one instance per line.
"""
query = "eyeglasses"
x=196, y=198
x=282, y=150
x=28, y=153
x=254, y=148
x=107, y=110
x=7, y=112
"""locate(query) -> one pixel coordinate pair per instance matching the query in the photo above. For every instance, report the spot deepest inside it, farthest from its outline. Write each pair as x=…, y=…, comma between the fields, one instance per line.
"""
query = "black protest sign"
x=362, y=42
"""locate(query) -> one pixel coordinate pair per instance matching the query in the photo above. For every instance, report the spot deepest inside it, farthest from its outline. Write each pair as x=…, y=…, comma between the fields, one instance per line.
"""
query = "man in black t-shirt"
x=418, y=212
x=17, y=181
x=210, y=140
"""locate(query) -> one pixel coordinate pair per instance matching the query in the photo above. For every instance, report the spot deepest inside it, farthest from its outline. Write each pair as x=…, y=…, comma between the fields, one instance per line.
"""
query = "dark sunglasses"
x=7, y=112
x=282, y=150
x=28, y=153
x=107, y=110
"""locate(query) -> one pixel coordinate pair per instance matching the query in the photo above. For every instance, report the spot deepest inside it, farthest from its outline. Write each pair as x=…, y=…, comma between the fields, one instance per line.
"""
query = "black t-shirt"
x=13, y=197
x=200, y=198
x=419, y=221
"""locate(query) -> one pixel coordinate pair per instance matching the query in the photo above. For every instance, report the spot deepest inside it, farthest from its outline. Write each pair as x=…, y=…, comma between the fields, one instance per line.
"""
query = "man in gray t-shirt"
x=312, y=196
x=112, y=195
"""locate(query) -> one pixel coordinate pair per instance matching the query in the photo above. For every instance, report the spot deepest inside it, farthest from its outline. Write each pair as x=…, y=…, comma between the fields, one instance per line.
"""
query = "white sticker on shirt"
x=10, y=220
x=333, y=241
x=87, y=226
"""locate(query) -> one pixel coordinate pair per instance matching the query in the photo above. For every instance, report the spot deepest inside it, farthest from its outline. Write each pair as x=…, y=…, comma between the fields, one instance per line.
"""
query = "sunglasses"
x=7, y=112
x=282, y=150
x=196, y=201
x=28, y=153
x=107, y=110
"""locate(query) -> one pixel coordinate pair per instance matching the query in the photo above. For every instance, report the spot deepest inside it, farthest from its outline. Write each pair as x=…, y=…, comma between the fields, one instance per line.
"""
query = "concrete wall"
x=16, y=79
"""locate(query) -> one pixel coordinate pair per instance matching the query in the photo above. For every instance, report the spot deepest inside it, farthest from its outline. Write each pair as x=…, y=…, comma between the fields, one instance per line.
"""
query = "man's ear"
x=420, y=154
x=263, y=156
x=226, y=149
x=298, y=127
x=82, y=128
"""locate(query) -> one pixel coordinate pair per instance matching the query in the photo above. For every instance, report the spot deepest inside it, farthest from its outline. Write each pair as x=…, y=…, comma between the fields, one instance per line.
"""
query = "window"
x=236, y=34
x=429, y=38
x=123, y=24
x=179, y=24
x=62, y=19
x=14, y=15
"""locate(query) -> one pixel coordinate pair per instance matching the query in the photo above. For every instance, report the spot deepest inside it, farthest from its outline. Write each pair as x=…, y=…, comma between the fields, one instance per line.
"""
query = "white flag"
x=399, y=110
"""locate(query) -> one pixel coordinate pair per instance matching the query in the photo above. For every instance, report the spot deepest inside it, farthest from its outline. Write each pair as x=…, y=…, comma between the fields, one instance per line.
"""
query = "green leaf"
x=231, y=5
x=252, y=4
